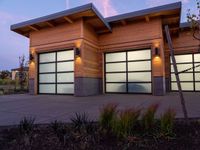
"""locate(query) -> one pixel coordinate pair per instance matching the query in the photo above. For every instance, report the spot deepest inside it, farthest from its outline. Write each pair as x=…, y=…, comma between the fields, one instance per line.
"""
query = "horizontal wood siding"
x=90, y=62
x=61, y=33
x=89, y=34
x=137, y=33
x=184, y=43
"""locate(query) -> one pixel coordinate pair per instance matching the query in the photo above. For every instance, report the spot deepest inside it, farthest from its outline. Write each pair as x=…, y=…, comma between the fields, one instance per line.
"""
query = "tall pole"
x=169, y=40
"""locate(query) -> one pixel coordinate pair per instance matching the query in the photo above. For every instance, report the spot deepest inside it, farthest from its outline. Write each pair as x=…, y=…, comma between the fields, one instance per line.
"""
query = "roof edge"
x=171, y=6
x=52, y=16
x=101, y=17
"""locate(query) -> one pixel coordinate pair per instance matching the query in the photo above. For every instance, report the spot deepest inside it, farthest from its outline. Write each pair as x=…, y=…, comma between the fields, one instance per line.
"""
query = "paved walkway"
x=48, y=108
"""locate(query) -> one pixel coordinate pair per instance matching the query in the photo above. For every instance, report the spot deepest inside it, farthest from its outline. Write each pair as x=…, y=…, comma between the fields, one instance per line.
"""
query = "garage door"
x=190, y=80
x=128, y=72
x=56, y=72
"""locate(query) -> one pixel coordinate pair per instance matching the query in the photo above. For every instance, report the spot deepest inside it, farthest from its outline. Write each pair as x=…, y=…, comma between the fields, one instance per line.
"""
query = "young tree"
x=22, y=74
x=194, y=20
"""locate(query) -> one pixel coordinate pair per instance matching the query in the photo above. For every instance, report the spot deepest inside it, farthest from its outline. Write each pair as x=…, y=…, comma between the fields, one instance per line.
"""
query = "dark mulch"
x=186, y=137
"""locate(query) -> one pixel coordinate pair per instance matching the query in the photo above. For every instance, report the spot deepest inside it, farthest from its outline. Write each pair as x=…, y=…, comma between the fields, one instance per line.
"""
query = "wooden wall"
x=184, y=43
x=52, y=35
x=91, y=59
x=134, y=34
x=137, y=35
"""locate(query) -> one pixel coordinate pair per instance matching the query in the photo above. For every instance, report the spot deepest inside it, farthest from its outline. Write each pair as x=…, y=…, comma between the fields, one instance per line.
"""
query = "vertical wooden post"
x=176, y=72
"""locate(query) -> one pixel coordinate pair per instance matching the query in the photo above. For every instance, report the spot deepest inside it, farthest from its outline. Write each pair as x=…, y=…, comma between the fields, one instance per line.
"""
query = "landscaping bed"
x=115, y=130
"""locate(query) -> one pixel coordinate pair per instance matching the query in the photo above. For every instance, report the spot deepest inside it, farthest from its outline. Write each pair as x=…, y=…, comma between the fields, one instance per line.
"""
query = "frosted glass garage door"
x=56, y=72
x=128, y=72
x=190, y=79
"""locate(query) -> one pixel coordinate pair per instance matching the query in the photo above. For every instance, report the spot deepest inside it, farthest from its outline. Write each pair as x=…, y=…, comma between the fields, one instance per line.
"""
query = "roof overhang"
x=88, y=10
x=170, y=14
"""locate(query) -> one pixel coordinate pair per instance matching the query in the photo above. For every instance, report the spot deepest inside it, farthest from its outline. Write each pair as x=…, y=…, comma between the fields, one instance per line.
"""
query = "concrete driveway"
x=47, y=108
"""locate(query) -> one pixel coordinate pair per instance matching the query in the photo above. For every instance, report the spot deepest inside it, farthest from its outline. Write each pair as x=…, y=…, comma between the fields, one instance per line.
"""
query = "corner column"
x=88, y=71
x=158, y=69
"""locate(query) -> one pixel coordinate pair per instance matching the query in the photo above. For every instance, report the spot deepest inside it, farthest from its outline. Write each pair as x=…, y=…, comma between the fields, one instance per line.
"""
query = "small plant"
x=148, y=117
x=167, y=122
x=26, y=125
x=80, y=121
x=56, y=125
x=61, y=131
x=126, y=121
x=107, y=115
x=26, y=129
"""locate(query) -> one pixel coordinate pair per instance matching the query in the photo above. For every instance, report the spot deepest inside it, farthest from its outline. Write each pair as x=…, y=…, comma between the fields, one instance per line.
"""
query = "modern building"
x=15, y=73
x=78, y=51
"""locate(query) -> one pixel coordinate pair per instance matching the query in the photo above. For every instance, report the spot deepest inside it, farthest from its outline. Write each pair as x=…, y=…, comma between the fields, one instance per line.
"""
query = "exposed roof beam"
x=50, y=24
x=147, y=18
x=102, y=31
x=33, y=28
x=68, y=19
x=123, y=22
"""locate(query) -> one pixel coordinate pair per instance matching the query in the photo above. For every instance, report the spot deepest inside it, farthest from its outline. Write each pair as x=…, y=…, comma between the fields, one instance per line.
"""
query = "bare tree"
x=194, y=20
x=22, y=74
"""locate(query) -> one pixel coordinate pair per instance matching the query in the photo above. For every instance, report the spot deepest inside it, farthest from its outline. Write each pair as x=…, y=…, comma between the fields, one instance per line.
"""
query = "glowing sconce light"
x=31, y=58
x=157, y=52
x=78, y=52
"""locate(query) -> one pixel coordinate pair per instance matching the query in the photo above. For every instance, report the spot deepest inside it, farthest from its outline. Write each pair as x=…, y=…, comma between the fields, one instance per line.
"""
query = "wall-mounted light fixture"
x=78, y=52
x=31, y=57
x=157, y=52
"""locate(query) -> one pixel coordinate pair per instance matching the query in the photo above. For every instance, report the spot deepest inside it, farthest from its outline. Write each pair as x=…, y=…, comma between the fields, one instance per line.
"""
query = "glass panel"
x=113, y=57
x=197, y=68
x=47, y=68
x=47, y=78
x=197, y=86
x=139, y=87
x=183, y=58
x=197, y=57
x=185, y=86
x=65, y=88
x=65, y=77
x=116, y=77
x=65, y=66
x=183, y=77
x=139, y=55
x=182, y=67
x=65, y=55
x=47, y=88
x=114, y=67
x=197, y=76
x=139, y=77
x=47, y=57
x=139, y=66
x=116, y=87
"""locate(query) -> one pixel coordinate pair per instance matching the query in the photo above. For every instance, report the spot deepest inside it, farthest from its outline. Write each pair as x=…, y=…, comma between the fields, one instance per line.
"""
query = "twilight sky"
x=13, y=45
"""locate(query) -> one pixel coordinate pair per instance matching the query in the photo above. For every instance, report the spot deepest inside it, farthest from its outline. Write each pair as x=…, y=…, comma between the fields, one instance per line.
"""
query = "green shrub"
x=167, y=122
x=7, y=82
x=148, y=117
x=1, y=81
x=107, y=115
x=123, y=126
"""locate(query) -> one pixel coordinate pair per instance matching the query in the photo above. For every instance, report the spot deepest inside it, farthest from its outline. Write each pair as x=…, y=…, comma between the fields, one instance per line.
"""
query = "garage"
x=56, y=72
x=128, y=71
x=190, y=80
